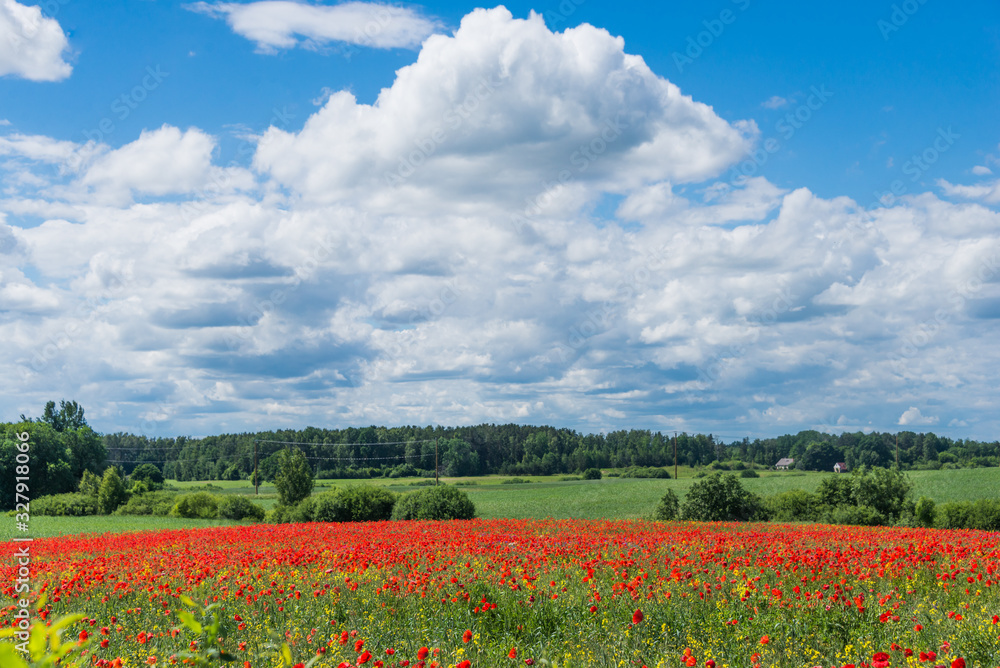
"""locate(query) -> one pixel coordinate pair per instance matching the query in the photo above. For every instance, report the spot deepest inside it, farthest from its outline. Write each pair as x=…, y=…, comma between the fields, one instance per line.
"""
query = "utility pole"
x=675, y=455
x=256, y=476
x=897, y=450
x=436, y=461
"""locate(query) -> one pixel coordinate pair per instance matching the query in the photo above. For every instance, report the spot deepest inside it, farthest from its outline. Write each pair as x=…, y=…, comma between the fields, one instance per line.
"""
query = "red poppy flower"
x=637, y=617
x=512, y=653
x=467, y=636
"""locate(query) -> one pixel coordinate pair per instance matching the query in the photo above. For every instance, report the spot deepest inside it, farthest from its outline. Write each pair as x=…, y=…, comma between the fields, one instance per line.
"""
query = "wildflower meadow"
x=506, y=593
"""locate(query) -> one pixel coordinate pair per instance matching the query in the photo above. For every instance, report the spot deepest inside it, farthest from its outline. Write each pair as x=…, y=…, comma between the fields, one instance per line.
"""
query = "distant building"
x=784, y=464
x=841, y=467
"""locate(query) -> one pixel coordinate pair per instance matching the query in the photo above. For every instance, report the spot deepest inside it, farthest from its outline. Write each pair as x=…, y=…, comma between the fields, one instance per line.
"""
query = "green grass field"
x=544, y=496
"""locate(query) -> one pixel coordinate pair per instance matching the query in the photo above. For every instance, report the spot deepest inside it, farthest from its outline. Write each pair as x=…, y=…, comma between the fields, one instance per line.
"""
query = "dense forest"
x=63, y=446
x=512, y=449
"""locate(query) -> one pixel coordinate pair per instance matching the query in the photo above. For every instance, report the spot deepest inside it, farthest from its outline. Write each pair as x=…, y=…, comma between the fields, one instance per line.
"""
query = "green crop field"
x=543, y=497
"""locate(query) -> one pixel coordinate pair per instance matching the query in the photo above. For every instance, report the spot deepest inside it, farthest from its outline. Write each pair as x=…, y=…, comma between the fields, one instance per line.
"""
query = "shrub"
x=865, y=516
x=406, y=470
x=90, y=483
x=569, y=478
x=514, y=481
x=795, y=505
x=112, y=492
x=239, y=507
x=668, y=507
x=72, y=504
x=885, y=490
x=437, y=503
x=721, y=498
x=147, y=472
x=925, y=512
x=281, y=515
x=364, y=503
x=592, y=474
x=749, y=473
x=645, y=472
x=201, y=505
x=153, y=503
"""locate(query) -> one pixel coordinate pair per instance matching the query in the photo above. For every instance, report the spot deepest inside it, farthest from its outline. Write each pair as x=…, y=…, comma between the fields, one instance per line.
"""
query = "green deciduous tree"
x=721, y=498
x=294, y=479
x=112, y=492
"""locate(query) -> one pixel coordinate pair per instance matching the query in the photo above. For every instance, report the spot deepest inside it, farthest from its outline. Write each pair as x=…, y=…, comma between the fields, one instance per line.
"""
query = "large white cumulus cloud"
x=503, y=108
x=31, y=45
x=434, y=257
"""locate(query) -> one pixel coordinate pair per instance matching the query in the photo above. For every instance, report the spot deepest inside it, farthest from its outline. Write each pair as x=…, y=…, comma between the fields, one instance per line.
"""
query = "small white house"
x=841, y=467
x=785, y=463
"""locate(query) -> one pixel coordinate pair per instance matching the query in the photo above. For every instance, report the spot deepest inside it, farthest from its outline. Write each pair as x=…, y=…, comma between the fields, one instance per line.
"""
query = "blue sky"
x=234, y=216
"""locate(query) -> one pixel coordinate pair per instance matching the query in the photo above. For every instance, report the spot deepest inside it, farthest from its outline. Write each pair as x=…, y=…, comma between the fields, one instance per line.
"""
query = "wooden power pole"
x=436, y=461
x=675, y=455
x=897, y=450
x=256, y=476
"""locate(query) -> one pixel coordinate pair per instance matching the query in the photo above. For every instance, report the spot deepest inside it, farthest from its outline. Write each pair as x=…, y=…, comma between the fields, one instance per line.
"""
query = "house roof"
x=841, y=465
x=785, y=461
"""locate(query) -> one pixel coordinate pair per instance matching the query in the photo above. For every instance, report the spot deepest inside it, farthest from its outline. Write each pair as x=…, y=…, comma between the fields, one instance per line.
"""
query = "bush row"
x=368, y=503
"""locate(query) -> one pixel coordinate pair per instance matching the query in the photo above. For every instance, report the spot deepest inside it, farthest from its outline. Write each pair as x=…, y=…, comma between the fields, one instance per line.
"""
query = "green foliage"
x=885, y=490
x=201, y=505
x=836, y=490
x=45, y=644
x=282, y=514
x=821, y=456
x=90, y=484
x=645, y=472
x=364, y=503
x=442, y=502
x=406, y=470
x=111, y=493
x=147, y=472
x=150, y=504
x=239, y=507
x=73, y=504
x=668, y=508
x=983, y=514
x=294, y=480
x=514, y=481
x=794, y=505
x=925, y=512
x=592, y=474
x=138, y=488
x=854, y=515
x=721, y=498
x=69, y=415
x=749, y=473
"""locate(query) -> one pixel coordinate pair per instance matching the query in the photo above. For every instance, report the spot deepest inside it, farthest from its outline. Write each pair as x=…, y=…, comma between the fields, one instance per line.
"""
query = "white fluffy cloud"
x=476, y=283
x=502, y=112
x=912, y=417
x=986, y=192
x=285, y=24
x=31, y=45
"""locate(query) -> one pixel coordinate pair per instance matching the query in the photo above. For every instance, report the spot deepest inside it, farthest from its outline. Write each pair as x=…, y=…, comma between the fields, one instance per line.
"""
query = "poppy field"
x=508, y=593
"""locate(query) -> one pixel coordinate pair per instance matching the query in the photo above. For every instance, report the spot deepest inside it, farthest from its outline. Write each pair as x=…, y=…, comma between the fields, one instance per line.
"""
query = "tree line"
x=63, y=447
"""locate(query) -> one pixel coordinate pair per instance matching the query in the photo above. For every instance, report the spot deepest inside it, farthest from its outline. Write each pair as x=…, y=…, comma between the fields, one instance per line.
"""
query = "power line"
x=425, y=440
